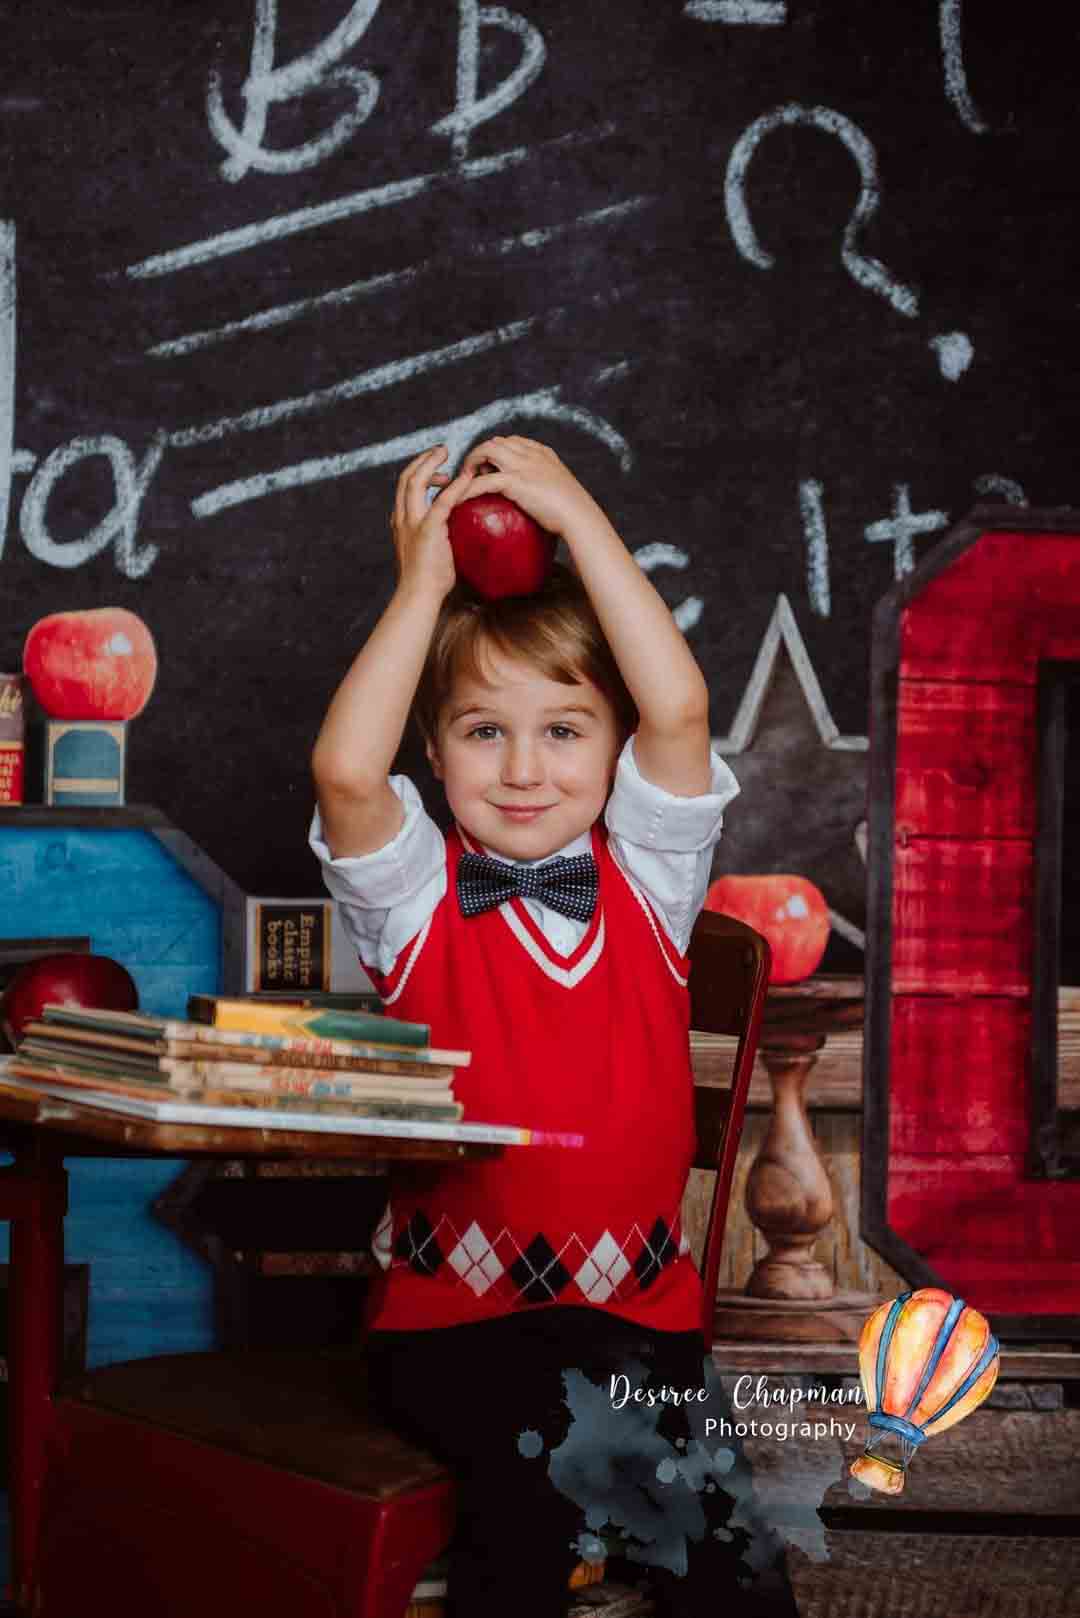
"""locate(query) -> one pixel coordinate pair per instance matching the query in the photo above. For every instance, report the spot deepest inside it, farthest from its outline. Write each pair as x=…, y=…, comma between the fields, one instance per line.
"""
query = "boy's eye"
x=484, y=732
x=561, y=731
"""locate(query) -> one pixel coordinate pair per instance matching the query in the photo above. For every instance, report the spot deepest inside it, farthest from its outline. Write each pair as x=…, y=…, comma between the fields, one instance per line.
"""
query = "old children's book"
x=348, y=1033
x=233, y=1075
x=376, y=1105
x=255, y=1050
x=317, y=1022
x=179, y=1110
x=12, y=740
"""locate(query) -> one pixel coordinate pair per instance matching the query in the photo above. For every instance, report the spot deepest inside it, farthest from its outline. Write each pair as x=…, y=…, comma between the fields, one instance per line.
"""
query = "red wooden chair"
x=214, y=1483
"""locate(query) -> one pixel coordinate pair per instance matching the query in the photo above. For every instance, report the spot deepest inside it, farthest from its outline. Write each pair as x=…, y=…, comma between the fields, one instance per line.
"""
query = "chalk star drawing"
x=803, y=784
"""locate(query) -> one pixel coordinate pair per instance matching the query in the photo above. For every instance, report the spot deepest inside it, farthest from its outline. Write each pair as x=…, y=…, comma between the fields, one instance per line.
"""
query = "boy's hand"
x=533, y=476
x=419, y=529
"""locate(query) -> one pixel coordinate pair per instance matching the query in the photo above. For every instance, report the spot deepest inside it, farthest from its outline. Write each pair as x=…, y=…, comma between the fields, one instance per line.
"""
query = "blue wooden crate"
x=147, y=896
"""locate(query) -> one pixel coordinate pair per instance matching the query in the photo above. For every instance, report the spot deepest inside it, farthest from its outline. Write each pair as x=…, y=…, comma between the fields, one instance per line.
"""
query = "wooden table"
x=40, y=1132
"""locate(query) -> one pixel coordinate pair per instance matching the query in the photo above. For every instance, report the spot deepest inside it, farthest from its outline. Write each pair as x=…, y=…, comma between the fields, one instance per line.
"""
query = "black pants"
x=549, y=1452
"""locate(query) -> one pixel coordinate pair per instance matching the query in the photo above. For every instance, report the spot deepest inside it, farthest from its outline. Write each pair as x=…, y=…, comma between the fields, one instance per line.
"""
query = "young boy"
x=547, y=934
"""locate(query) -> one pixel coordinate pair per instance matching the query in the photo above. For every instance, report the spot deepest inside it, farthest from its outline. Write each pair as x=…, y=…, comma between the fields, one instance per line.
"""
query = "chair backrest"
x=729, y=978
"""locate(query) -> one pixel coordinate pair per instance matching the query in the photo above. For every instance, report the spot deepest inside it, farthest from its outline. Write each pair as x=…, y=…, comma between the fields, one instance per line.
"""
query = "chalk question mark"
x=954, y=349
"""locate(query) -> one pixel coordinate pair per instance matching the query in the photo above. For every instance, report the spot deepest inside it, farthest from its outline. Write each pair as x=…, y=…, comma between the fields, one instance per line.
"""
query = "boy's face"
x=527, y=762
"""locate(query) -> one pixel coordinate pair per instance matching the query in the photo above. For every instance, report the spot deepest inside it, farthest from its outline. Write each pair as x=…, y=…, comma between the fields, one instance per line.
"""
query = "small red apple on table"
x=66, y=979
x=789, y=911
x=100, y=664
x=498, y=548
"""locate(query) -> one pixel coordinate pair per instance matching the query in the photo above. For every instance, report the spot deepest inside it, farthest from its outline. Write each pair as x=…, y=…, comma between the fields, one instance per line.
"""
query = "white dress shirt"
x=665, y=843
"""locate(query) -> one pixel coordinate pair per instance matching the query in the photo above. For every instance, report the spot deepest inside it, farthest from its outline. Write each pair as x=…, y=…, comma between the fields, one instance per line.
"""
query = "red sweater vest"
x=596, y=1043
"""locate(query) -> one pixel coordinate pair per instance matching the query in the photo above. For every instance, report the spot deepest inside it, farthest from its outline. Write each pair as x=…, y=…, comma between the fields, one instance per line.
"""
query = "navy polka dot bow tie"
x=567, y=885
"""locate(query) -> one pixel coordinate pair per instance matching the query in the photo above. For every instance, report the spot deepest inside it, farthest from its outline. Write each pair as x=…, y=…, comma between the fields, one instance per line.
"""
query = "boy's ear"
x=433, y=758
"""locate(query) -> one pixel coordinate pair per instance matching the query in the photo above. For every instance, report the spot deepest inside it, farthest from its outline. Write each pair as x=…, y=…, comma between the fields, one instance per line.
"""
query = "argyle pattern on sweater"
x=517, y=1272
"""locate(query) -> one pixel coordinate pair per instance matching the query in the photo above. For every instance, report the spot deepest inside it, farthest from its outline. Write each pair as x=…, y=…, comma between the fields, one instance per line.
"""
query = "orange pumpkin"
x=788, y=910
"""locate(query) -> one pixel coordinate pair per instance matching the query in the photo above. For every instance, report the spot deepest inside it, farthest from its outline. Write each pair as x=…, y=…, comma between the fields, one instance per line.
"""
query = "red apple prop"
x=788, y=910
x=66, y=980
x=99, y=664
x=498, y=548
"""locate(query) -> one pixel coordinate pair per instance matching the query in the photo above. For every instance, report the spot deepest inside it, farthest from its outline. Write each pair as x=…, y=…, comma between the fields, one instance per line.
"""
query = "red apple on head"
x=498, y=548
x=99, y=664
x=788, y=910
x=65, y=980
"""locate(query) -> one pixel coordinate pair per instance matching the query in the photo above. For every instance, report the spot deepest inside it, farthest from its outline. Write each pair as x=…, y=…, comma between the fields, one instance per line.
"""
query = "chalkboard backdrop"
x=790, y=285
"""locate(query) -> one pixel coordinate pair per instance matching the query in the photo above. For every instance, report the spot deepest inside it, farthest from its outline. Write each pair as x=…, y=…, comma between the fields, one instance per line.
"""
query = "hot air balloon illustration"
x=927, y=1360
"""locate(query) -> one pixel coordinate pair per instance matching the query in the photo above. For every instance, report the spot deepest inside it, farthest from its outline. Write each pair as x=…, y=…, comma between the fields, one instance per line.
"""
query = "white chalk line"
x=457, y=434
x=952, y=51
x=245, y=237
x=281, y=314
x=817, y=545
x=658, y=553
x=756, y=13
x=373, y=381
x=7, y=369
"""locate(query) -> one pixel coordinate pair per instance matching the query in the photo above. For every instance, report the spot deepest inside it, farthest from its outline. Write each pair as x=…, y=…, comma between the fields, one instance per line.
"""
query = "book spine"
x=302, y=1056
x=325, y=1024
x=263, y=1017
x=148, y=1090
x=290, y=1081
x=308, y=1048
x=12, y=740
x=434, y=1112
x=285, y=1017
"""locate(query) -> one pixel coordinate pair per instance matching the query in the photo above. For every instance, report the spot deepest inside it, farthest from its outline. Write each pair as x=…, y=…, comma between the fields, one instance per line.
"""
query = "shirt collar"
x=580, y=845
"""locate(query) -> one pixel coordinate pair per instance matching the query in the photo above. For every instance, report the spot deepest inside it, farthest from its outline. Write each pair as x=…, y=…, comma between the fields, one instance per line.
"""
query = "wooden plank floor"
x=993, y=1508
x=988, y=1524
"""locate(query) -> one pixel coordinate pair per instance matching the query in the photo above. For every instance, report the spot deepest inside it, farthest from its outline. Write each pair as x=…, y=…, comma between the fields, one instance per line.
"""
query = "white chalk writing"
x=952, y=51
x=383, y=376
x=267, y=86
x=758, y=13
x=1009, y=490
x=7, y=369
x=954, y=351
x=471, y=109
x=902, y=527
x=658, y=554
x=299, y=220
x=281, y=314
x=131, y=479
x=546, y=404
x=817, y=546
x=868, y=272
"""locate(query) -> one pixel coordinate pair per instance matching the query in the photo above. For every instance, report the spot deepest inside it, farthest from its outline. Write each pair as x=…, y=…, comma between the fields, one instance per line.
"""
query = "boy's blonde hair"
x=556, y=630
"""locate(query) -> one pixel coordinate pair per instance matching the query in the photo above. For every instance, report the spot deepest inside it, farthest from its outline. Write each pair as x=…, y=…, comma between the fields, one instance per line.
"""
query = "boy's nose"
x=521, y=764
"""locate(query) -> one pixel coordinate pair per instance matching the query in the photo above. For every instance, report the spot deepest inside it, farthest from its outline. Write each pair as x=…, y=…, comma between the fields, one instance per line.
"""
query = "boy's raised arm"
x=366, y=719
x=671, y=747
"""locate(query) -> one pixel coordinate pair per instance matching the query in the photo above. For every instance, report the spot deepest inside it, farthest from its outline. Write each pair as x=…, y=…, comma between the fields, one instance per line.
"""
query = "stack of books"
x=314, y=1061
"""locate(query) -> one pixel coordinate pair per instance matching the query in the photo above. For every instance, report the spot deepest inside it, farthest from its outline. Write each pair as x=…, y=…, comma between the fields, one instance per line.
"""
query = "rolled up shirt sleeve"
x=386, y=897
x=665, y=843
